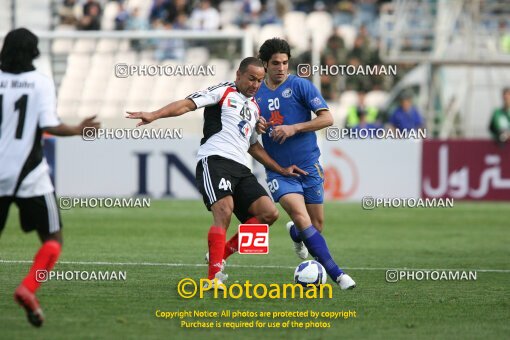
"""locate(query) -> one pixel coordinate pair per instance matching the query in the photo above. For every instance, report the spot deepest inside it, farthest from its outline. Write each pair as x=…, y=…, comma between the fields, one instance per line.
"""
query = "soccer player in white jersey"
x=27, y=108
x=222, y=174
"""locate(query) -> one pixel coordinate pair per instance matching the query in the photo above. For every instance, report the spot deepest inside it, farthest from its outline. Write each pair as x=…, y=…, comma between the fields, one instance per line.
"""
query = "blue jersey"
x=290, y=103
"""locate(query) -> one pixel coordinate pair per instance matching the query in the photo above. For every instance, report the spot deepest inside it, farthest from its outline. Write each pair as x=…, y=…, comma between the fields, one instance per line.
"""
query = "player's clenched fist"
x=262, y=125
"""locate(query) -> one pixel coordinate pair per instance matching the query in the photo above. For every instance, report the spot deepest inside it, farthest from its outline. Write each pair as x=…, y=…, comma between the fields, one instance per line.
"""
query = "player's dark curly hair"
x=272, y=46
x=19, y=51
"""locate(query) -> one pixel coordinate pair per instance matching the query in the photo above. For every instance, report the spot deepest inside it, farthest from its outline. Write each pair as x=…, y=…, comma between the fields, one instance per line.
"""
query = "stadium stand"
x=83, y=67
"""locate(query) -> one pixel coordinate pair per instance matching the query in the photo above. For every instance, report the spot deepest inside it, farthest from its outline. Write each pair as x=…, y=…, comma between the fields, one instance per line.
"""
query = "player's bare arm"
x=323, y=119
x=257, y=151
x=69, y=130
x=174, y=109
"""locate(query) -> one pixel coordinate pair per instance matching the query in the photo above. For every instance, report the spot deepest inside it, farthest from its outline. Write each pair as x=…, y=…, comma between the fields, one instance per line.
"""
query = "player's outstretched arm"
x=258, y=152
x=68, y=130
x=282, y=132
x=174, y=109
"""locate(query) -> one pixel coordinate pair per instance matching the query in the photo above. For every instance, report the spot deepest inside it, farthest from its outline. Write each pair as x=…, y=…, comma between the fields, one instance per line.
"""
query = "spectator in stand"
x=355, y=113
x=357, y=82
x=272, y=11
x=181, y=22
x=205, y=17
x=363, y=124
x=159, y=11
x=122, y=17
x=504, y=33
x=362, y=50
x=306, y=6
x=500, y=121
x=137, y=23
x=171, y=48
x=91, y=20
x=344, y=13
x=406, y=117
x=330, y=84
x=66, y=13
x=176, y=10
x=366, y=12
x=250, y=11
x=335, y=47
x=379, y=80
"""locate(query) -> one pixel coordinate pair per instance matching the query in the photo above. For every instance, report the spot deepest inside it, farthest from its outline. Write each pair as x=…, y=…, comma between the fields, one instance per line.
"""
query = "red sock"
x=233, y=244
x=216, y=240
x=45, y=259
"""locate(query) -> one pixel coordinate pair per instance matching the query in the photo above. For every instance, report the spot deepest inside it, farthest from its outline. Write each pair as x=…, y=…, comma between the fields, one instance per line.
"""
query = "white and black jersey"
x=229, y=122
x=27, y=105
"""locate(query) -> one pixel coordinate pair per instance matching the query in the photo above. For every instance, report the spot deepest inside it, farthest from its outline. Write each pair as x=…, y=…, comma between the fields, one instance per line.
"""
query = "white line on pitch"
x=243, y=266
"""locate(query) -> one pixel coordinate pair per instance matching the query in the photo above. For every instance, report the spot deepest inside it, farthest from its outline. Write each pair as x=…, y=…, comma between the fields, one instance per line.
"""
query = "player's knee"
x=301, y=220
x=318, y=224
x=269, y=216
x=222, y=212
x=54, y=237
x=222, y=208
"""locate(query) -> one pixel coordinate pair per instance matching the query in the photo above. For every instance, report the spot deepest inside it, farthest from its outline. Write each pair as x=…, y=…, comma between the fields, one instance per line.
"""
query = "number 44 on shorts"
x=225, y=185
x=253, y=239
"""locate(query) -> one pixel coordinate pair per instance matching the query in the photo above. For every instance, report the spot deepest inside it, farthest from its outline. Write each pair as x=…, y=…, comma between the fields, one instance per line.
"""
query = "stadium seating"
x=296, y=31
x=376, y=98
x=349, y=98
x=348, y=33
x=84, y=68
x=320, y=25
x=270, y=31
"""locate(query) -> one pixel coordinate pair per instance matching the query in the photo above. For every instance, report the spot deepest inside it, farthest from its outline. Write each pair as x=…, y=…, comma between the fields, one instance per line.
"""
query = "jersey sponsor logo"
x=316, y=101
x=287, y=92
x=253, y=239
x=245, y=128
x=276, y=118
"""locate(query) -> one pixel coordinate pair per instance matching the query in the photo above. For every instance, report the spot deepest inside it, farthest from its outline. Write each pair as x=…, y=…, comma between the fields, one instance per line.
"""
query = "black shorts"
x=218, y=177
x=35, y=213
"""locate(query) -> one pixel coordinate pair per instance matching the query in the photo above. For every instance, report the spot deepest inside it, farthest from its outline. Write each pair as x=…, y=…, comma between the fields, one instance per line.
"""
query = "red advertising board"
x=465, y=170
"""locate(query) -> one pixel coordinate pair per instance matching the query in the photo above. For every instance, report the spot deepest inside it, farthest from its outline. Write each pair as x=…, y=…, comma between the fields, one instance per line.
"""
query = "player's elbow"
x=328, y=119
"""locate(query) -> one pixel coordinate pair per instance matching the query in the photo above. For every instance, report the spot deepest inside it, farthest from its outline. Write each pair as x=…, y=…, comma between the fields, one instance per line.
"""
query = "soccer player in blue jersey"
x=286, y=104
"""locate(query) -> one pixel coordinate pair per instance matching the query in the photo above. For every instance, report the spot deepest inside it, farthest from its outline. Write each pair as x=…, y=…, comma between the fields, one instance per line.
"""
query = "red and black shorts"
x=218, y=177
x=35, y=213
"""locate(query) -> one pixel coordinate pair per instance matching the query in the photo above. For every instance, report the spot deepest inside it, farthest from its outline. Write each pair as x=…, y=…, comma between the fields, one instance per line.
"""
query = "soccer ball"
x=310, y=272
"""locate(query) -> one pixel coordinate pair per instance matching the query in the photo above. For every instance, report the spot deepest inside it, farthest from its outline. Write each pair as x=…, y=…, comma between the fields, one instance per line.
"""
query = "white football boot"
x=345, y=282
x=220, y=279
x=299, y=247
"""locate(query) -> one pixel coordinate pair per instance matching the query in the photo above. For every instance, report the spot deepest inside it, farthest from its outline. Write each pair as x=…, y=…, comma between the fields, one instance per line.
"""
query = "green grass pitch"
x=149, y=243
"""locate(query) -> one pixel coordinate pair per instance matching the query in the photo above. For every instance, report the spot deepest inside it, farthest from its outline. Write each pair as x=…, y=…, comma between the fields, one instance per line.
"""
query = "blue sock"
x=294, y=234
x=317, y=246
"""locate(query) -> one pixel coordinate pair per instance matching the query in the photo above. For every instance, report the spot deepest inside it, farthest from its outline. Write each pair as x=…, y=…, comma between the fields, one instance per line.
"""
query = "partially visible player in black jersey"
x=27, y=108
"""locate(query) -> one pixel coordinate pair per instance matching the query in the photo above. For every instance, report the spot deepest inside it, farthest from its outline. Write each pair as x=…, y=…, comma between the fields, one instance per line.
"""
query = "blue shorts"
x=311, y=186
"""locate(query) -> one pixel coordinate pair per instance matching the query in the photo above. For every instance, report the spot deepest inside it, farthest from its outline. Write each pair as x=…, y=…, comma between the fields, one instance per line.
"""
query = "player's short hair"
x=505, y=90
x=19, y=51
x=273, y=46
x=243, y=66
